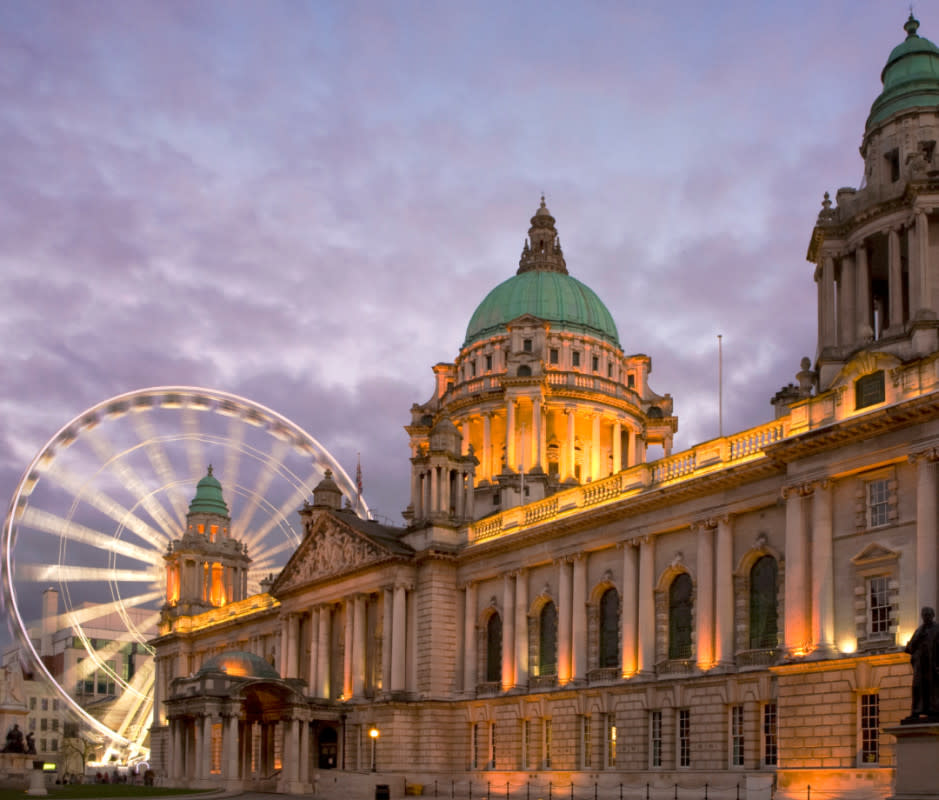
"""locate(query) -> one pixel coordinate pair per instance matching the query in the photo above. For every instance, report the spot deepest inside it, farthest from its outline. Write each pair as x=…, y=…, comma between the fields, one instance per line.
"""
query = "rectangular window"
x=869, y=390
x=32, y=723
x=878, y=606
x=44, y=704
x=554, y=356
x=870, y=727
x=489, y=363
x=631, y=381
x=55, y=724
x=609, y=370
x=595, y=364
x=546, y=744
x=770, y=752
x=472, y=369
x=43, y=724
x=611, y=746
x=42, y=746
x=585, y=738
x=526, y=345
x=684, y=737
x=655, y=739
x=878, y=502
x=575, y=358
x=53, y=745
x=55, y=704
x=736, y=736
x=32, y=703
x=492, y=746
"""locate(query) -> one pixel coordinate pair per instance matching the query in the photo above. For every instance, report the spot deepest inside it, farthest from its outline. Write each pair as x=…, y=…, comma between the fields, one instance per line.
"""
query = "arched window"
x=763, y=615
x=679, y=617
x=494, y=649
x=609, y=629
x=548, y=640
x=524, y=371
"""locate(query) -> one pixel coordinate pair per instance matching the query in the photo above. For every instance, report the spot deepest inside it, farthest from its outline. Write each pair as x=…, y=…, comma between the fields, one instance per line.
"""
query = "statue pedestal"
x=917, y=757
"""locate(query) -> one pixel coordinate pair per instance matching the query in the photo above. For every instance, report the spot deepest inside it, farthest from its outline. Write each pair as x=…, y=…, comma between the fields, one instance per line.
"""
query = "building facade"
x=571, y=603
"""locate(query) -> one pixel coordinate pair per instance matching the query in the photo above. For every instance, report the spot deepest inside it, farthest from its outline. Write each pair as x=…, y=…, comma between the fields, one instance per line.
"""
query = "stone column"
x=434, y=505
x=325, y=657
x=847, y=295
x=387, y=628
x=521, y=628
x=571, y=450
x=359, y=643
x=630, y=596
x=487, y=447
x=826, y=299
x=230, y=739
x=537, y=425
x=865, y=323
x=291, y=750
x=617, y=445
x=416, y=494
x=704, y=601
x=595, y=473
x=314, y=650
x=915, y=269
x=427, y=482
x=348, y=619
x=399, y=640
x=796, y=630
x=823, y=571
x=895, y=281
x=293, y=634
x=205, y=757
x=508, y=632
x=304, y=752
x=284, y=646
x=631, y=459
x=724, y=593
x=925, y=276
x=157, y=718
x=647, y=605
x=511, y=464
x=176, y=749
x=469, y=639
x=926, y=539
x=579, y=619
x=411, y=650
x=469, y=509
x=564, y=621
x=445, y=500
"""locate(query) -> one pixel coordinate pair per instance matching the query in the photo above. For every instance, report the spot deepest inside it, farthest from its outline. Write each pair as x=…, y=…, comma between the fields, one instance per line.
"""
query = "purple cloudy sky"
x=304, y=202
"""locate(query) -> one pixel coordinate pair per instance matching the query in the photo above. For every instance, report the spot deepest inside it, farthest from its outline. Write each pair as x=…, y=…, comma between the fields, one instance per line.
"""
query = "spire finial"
x=542, y=201
x=210, y=469
x=911, y=25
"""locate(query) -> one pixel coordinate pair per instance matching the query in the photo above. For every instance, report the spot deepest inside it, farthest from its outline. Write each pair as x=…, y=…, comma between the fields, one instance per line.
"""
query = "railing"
x=704, y=458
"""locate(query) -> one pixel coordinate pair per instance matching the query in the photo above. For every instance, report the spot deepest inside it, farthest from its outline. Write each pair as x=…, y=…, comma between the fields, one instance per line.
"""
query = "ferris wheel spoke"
x=262, y=484
x=236, y=438
x=107, y=505
x=90, y=613
x=131, y=481
x=195, y=452
x=145, y=429
x=48, y=522
x=288, y=507
x=64, y=573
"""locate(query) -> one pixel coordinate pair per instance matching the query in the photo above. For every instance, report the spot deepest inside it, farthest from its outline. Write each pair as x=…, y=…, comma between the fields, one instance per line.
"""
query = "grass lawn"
x=95, y=790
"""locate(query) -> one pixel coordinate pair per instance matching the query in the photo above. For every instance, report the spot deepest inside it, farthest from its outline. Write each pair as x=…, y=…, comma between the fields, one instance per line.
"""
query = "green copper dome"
x=543, y=288
x=208, y=499
x=240, y=664
x=910, y=78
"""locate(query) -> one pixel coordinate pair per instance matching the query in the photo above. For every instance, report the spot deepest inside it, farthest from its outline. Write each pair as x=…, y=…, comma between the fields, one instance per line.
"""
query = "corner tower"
x=206, y=567
x=876, y=249
x=541, y=396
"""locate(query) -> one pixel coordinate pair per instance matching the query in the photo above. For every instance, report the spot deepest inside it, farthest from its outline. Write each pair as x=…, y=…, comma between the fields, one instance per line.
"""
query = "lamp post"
x=373, y=735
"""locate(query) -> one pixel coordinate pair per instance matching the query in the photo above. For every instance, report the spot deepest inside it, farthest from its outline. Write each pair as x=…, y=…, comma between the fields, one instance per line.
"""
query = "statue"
x=923, y=648
x=11, y=685
x=14, y=742
x=30, y=744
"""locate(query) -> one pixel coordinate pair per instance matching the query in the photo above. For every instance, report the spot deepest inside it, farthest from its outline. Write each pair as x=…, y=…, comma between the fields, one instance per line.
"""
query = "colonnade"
x=211, y=746
x=441, y=488
x=191, y=578
x=349, y=619
x=641, y=641
x=525, y=443
x=846, y=300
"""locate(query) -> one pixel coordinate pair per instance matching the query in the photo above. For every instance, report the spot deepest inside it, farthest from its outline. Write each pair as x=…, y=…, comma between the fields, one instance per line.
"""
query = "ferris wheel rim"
x=264, y=417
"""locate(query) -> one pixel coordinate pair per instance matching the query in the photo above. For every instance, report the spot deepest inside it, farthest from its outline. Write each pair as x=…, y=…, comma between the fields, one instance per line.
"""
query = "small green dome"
x=563, y=301
x=239, y=664
x=910, y=77
x=543, y=288
x=208, y=499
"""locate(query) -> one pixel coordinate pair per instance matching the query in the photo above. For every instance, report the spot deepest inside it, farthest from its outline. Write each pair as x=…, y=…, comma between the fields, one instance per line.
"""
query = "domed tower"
x=541, y=394
x=876, y=249
x=206, y=567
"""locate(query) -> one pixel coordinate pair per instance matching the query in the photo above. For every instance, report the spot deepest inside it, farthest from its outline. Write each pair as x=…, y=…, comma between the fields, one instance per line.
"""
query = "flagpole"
x=720, y=385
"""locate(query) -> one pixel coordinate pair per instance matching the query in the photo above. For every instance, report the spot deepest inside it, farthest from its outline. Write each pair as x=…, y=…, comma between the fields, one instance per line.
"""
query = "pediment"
x=864, y=364
x=331, y=548
x=874, y=553
x=526, y=320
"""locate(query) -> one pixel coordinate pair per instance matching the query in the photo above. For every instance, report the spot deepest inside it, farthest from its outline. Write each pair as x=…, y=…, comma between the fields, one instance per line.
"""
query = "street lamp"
x=373, y=734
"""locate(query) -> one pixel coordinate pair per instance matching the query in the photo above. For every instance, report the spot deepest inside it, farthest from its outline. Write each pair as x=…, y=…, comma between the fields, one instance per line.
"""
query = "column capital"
x=471, y=584
x=929, y=454
x=702, y=524
x=796, y=490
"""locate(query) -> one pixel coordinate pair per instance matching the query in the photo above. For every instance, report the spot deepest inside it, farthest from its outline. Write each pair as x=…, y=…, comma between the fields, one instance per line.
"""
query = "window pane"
x=878, y=605
x=548, y=641
x=609, y=629
x=870, y=726
x=763, y=615
x=494, y=649
x=679, y=617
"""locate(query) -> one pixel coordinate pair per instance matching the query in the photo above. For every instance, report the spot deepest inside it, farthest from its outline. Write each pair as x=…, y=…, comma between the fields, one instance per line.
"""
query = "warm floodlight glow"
x=373, y=732
x=848, y=644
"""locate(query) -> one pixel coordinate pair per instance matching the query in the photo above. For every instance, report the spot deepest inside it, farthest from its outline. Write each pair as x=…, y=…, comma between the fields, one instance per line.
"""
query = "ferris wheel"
x=95, y=511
